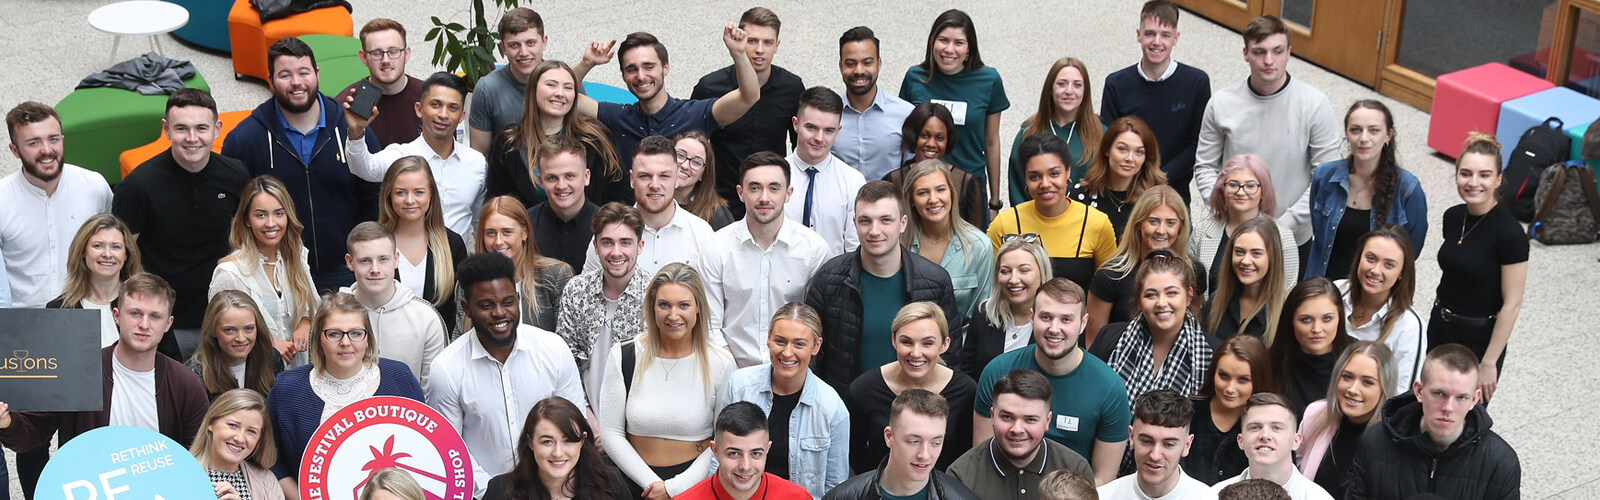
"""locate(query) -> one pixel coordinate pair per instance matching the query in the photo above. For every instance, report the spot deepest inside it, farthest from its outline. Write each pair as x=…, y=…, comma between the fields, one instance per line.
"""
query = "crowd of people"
x=773, y=290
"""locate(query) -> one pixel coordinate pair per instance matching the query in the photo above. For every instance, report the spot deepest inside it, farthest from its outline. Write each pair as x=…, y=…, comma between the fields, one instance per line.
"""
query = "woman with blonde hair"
x=1128, y=163
x=504, y=227
x=102, y=256
x=937, y=232
x=697, y=184
x=1333, y=425
x=271, y=265
x=233, y=352
x=514, y=156
x=1249, y=287
x=1160, y=221
x=1066, y=111
x=429, y=250
x=238, y=418
x=920, y=336
x=658, y=398
x=392, y=484
x=1003, y=322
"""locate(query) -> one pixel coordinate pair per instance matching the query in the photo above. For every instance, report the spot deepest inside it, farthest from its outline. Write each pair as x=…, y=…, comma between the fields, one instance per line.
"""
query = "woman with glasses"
x=1003, y=322
x=345, y=368
x=1243, y=192
x=271, y=265
x=513, y=157
x=1078, y=238
x=928, y=134
x=1357, y=194
x=697, y=185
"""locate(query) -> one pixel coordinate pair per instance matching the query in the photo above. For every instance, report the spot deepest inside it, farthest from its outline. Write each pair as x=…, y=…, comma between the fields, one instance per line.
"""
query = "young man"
x=42, y=206
x=457, y=170
x=498, y=98
x=740, y=443
x=1088, y=401
x=602, y=307
x=671, y=233
x=763, y=128
x=644, y=64
x=1261, y=489
x=869, y=130
x=915, y=436
x=142, y=389
x=180, y=207
x=1437, y=440
x=384, y=51
x=1286, y=122
x=561, y=223
x=485, y=382
x=757, y=265
x=1160, y=438
x=858, y=293
x=1011, y=464
x=410, y=330
x=826, y=185
x=298, y=136
x=1269, y=433
x=1169, y=96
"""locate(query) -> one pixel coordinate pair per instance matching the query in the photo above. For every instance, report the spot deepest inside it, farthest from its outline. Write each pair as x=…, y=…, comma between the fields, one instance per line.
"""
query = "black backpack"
x=1539, y=147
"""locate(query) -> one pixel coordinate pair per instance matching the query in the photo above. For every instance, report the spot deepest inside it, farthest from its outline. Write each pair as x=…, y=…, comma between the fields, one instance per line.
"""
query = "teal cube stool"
x=100, y=123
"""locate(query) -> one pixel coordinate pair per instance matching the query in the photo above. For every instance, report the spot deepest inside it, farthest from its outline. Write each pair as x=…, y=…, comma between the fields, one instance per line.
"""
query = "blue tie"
x=811, y=190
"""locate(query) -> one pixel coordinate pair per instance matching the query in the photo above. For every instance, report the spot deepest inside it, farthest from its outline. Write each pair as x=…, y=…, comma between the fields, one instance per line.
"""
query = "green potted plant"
x=470, y=51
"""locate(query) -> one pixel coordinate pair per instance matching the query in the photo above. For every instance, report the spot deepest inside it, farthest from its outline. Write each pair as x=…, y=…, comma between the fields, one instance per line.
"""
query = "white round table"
x=138, y=18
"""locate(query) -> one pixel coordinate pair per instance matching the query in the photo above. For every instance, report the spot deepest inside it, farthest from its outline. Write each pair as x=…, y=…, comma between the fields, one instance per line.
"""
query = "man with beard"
x=671, y=233
x=1160, y=439
x=180, y=207
x=741, y=444
x=485, y=382
x=827, y=185
x=384, y=51
x=1089, y=402
x=499, y=96
x=298, y=136
x=42, y=205
x=869, y=132
x=602, y=307
x=759, y=264
x=1013, y=462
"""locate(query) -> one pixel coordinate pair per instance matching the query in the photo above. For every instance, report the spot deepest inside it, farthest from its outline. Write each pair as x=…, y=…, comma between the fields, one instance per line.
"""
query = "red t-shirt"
x=772, y=488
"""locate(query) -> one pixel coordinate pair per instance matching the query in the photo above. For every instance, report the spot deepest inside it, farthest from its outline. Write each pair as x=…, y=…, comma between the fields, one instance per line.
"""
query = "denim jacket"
x=819, y=428
x=1330, y=189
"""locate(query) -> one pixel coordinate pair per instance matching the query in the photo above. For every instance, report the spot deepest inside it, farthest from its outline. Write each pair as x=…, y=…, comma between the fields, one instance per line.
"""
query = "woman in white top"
x=1243, y=191
x=1380, y=307
x=429, y=250
x=675, y=378
x=270, y=264
x=105, y=257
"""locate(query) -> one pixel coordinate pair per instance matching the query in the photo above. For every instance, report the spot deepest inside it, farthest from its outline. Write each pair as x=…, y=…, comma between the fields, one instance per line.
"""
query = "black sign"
x=50, y=360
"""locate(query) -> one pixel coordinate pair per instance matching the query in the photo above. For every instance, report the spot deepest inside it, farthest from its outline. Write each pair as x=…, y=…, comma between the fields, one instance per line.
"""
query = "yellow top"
x=1060, y=234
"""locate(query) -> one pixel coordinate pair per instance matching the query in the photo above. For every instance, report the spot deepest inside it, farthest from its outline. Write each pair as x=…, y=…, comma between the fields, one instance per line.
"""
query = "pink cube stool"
x=1469, y=100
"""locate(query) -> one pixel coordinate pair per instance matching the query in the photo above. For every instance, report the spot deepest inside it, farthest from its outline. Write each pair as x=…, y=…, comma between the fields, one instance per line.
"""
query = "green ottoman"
x=100, y=123
x=337, y=63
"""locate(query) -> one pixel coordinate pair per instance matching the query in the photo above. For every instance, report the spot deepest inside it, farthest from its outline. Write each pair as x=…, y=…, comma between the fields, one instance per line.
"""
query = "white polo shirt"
x=833, y=208
x=36, y=230
x=745, y=284
x=460, y=177
x=684, y=239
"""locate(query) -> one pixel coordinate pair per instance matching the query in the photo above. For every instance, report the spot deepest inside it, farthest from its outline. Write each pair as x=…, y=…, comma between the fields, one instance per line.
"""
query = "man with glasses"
x=384, y=51
x=458, y=170
x=413, y=332
x=486, y=381
x=825, y=186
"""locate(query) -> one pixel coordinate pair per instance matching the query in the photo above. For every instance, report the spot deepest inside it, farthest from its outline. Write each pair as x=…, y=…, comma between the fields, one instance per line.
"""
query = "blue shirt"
x=870, y=139
x=1089, y=404
x=630, y=124
x=819, y=427
x=302, y=142
x=1330, y=190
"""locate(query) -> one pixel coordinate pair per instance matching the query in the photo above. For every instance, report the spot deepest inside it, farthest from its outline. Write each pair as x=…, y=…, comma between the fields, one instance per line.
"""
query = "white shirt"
x=1172, y=67
x=745, y=284
x=1017, y=336
x=133, y=397
x=1406, y=340
x=109, y=334
x=36, y=230
x=413, y=277
x=238, y=373
x=487, y=401
x=1298, y=486
x=833, y=207
x=684, y=239
x=597, y=356
x=460, y=177
x=1127, y=488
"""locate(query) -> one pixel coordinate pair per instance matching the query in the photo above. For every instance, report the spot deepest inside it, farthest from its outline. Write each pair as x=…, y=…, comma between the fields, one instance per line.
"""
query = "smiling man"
x=561, y=222
x=671, y=233
x=411, y=330
x=1168, y=95
x=600, y=307
x=499, y=96
x=741, y=444
x=1013, y=462
x=42, y=205
x=1160, y=439
x=915, y=436
x=384, y=51
x=1269, y=433
x=869, y=130
x=824, y=184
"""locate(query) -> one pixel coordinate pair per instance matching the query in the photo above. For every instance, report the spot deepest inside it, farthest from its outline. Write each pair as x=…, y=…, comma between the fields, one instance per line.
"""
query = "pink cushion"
x=1469, y=101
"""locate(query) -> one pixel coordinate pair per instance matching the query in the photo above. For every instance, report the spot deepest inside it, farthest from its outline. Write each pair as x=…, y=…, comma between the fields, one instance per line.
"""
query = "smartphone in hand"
x=366, y=98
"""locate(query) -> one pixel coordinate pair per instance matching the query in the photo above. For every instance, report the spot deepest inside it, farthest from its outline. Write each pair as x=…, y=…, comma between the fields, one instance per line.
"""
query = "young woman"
x=1483, y=265
x=928, y=135
x=345, y=368
x=1160, y=222
x=1378, y=297
x=1128, y=164
x=920, y=336
x=238, y=419
x=106, y=258
x=1310, y=336
x=806, y=418
x=503, y=227
x=1163, y=346
x=233, y=351
x=952, y=74
x=551, y=95
x=271, y=265
x=556, y=458
x=1333, y=425
x=941, y=235
x=656, y=412
x=1357, y=194
x=1065, y=111
x=1004, y=320
x=1078, y=238
x=429, y=251
x=1238, y=367
x=697, y=184
x=392, y=484
x=1243, y=192
x=1250, y=288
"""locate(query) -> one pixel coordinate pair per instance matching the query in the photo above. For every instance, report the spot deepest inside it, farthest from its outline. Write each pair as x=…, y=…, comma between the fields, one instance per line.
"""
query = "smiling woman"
x=235, y=446
x=271, y=265
x=1333, y=426
x=920, y=336
x=108, y=257
x=234, y=351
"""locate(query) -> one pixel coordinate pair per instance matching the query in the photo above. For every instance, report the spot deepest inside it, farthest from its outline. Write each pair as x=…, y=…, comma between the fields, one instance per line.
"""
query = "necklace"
x=1112, y=198
x=1464, y=230
x=668, y=365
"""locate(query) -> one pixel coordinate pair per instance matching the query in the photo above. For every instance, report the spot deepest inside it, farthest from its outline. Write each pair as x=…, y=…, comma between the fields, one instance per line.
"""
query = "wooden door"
x=1231, y=13
x=1344, y=36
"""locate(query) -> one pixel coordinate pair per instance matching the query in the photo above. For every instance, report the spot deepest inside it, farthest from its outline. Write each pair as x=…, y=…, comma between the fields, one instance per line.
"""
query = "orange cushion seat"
x=249, y=37
x=132, y=158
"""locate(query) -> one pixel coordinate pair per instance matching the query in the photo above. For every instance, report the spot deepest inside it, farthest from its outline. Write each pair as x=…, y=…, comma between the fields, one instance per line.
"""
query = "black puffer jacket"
x=835, y=292
x=864, y=486
x=1396, y=460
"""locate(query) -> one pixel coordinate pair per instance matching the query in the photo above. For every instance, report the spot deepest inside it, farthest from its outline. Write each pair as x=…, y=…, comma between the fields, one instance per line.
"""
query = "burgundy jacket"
x=181, y=405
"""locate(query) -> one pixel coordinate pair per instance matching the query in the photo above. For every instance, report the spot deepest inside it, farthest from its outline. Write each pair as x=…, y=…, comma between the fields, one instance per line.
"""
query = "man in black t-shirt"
x=561, y=223
x=180, y=206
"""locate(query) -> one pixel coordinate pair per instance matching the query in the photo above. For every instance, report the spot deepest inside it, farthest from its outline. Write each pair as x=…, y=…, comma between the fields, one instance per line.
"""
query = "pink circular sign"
x=385, y=432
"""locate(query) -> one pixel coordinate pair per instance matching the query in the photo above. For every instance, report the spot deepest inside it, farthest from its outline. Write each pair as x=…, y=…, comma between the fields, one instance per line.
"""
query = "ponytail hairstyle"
x=444, y=272
x=1387, y=177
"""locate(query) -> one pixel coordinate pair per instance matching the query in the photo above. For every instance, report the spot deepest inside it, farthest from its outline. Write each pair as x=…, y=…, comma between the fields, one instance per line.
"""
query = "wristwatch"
x=996, y=206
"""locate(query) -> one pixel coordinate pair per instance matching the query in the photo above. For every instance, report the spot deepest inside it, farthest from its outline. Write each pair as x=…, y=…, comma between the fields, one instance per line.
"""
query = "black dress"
x=1215, y=454
x=869, y=399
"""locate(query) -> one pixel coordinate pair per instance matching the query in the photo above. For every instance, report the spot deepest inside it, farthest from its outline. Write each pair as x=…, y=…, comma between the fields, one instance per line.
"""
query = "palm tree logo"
x=387, y=458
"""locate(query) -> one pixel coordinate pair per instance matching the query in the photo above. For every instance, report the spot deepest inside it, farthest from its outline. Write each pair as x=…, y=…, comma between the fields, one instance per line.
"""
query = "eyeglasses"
x=355, y=335
x=1246, y=188
x=386, y=54
x=697, y=163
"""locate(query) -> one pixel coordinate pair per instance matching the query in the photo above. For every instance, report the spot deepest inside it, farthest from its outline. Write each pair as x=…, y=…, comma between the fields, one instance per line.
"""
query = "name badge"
x=1067, y=423
x=958, y=109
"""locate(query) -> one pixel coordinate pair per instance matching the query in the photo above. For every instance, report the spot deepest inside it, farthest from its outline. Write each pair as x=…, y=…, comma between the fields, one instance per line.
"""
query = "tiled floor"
x=49, y=47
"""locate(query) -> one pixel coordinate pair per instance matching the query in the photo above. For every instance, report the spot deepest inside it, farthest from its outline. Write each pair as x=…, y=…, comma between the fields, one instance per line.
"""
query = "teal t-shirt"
x=1080, y=161
x=881, y=299
x=921, y=494
x=978, y=92
x=1088, y=404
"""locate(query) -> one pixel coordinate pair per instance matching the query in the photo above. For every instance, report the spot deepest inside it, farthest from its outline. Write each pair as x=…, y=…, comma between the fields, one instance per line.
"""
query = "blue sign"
x=123, y=463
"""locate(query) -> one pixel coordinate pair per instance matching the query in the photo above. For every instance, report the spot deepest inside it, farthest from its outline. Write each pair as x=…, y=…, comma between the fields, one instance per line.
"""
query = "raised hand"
x=598, y=53
x=733, y=37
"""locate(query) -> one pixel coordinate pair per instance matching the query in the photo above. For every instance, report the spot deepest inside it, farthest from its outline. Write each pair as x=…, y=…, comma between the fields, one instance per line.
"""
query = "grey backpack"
x=1568, y=206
